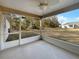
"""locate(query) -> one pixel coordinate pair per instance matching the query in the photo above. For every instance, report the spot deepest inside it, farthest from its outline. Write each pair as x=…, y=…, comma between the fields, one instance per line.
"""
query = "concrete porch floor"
x=37, y=50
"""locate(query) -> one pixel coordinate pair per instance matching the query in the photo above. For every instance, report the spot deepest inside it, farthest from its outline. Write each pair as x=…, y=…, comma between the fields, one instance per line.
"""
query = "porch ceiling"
x=32, y=6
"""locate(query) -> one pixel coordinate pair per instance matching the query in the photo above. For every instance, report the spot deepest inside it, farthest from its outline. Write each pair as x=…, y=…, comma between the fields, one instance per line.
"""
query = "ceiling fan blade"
x=42, y=1
x=61, y=1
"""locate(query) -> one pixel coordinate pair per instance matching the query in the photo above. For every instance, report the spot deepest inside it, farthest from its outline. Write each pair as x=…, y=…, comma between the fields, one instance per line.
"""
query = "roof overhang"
x=10, y=10
x=23, y=10
x=62, y=10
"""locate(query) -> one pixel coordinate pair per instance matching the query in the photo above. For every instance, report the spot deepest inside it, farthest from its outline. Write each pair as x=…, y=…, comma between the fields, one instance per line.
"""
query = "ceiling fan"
x=44, y=3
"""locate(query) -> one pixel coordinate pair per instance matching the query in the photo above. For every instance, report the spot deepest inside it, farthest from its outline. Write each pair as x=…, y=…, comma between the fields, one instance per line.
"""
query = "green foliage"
x=32, y=23
x=25, y=23
x=36, y=24
x=14, y=24
x=51, y=22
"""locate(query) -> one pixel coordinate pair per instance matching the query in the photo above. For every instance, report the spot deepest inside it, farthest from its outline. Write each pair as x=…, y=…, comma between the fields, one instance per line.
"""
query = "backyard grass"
x=13, y=37
x=63, y=34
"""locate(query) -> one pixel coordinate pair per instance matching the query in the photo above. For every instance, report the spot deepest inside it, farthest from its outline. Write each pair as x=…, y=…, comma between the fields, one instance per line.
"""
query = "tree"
x=36, y=24
x=51, y=22
x=25, y=23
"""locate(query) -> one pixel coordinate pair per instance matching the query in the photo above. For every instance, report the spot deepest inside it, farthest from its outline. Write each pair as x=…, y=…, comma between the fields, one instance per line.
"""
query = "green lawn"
x=13, y=37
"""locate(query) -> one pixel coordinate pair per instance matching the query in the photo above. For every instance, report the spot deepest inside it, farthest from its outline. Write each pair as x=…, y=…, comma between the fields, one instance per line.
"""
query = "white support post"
x=40, y=27
x=19, y=31
x=73, y=26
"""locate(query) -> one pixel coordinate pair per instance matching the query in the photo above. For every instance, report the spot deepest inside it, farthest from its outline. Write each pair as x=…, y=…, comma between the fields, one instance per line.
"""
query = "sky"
x=71, y=16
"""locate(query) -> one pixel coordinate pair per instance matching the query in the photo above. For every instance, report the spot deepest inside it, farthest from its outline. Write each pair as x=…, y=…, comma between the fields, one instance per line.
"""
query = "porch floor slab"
x=37, y=50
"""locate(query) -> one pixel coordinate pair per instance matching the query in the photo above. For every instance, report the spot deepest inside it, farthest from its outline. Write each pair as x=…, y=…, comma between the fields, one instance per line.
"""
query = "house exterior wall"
x=67, y=26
